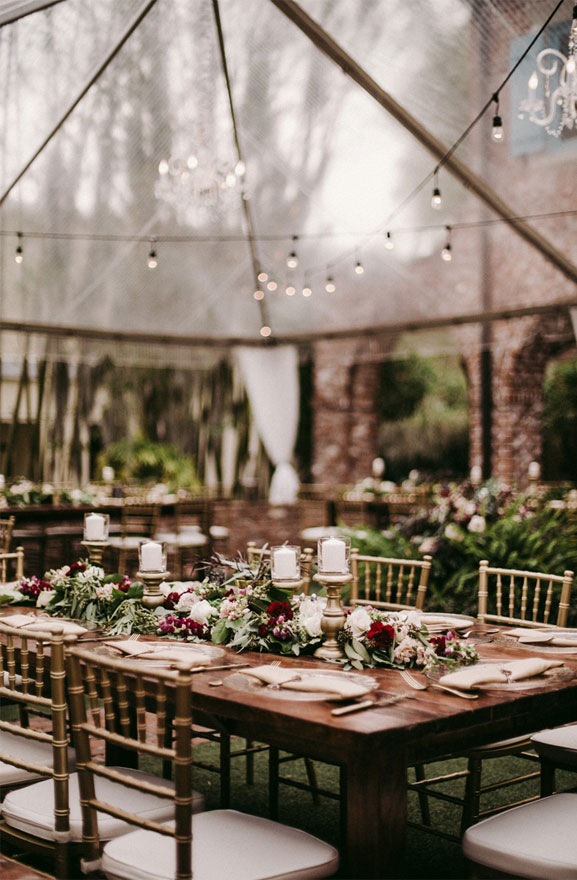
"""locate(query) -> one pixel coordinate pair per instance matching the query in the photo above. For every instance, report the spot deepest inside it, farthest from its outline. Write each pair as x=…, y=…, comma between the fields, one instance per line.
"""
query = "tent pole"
x=140, y=15
x=459, y=169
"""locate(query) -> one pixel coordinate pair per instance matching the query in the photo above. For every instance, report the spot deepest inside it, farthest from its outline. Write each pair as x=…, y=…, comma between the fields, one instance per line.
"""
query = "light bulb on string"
x=258, y=294
x=240, y=168
x=290, y=290
x=447, y=253
x=497, y=129
x=265, y=331
x=19, y=253
x=262, y=276
x=389, y=243
x=330, y=285
x=436, y=200
x=272, y=286
x=307, y=290
x=152, y=258
x=359, y=268
x=292, y=260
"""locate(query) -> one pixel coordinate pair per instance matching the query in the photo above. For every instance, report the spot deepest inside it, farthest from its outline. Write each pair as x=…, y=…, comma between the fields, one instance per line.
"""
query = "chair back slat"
x=151, y=697
x=401, y=578
x=527, y=599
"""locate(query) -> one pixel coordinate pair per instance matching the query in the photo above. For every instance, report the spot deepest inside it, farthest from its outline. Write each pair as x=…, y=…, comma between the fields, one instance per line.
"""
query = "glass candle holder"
x=285, y=563
x=96, y=526
x=334, y=555
x=152, y=556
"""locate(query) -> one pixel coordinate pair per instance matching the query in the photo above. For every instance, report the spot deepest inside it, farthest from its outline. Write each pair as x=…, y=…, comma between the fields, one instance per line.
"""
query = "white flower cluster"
x=310, y=612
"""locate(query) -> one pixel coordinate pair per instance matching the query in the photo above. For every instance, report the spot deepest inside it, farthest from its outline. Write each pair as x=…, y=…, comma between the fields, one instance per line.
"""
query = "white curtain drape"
x=271, y=378
x=573, y=313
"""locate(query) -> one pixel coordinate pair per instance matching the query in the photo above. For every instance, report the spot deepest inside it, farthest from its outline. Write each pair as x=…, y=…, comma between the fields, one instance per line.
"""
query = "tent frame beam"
x=329, y=47
x=164, y=339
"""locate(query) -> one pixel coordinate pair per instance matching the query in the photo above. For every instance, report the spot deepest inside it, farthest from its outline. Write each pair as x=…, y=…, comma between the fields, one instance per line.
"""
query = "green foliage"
x=402, y=386
x=560, y=421
x=144, y=461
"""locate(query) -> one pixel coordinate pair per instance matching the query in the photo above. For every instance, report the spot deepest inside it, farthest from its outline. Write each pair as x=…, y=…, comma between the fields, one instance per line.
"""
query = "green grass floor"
x=428, y=857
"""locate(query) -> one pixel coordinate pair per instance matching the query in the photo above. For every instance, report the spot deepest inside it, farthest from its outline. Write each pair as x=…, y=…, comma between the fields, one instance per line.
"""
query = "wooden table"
x=377, y=746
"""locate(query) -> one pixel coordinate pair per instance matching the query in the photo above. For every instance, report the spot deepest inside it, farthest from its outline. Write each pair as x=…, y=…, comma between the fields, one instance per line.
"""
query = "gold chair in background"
x=191, y=537
x=6, y=529
x=11, y=566
x=384, y=582
x=510, y=597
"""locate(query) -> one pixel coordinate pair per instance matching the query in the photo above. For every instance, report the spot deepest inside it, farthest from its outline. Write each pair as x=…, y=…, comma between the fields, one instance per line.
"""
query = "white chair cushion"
x=26, y=750
x=31, y=809
x=558, y=745
x=536, y=840
x=226, y=844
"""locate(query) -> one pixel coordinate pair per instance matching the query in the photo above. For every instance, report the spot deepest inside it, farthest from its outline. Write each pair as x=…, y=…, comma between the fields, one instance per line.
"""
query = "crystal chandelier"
x=557, y=109
x=196, y=180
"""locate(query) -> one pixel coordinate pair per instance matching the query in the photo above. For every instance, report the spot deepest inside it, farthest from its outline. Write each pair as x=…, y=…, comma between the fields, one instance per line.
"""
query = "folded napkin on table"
x=477, y=676
x=341, y=687
x=443, y=620
x=43, y=624
x=181, y=654
x=545, y=636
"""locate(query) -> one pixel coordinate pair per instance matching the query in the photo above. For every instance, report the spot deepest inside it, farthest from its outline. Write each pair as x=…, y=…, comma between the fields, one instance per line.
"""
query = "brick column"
x=345, y=420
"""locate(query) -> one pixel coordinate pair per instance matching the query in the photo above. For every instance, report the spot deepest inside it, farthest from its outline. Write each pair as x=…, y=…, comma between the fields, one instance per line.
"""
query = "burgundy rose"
x=75, y=568
x=280, y=609
x=381, y=634
x=263, y=630
x=171, y=601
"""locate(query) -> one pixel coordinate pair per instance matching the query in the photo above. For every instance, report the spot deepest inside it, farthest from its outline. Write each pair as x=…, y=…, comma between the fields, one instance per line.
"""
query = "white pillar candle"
x=534, y=470
x=334, y=555
x=284, y=563
x=95, y=527
x=151, y=558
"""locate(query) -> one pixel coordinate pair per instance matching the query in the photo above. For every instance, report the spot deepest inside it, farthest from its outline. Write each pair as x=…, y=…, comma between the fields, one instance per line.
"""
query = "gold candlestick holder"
x=333, y=619
x=95, y=551
x=152, y=580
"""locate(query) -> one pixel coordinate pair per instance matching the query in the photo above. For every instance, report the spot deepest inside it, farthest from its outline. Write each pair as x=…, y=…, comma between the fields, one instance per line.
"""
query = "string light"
x=330, y=285
x=497, y=129
x=389, y=243
x=307, y=290
x=292, y=260
x=262, y=276
x=359, y=268
x=447, y=253
x=436, y=200
x=19, y=254
x=290, y=290
x=258, y=294
x=265, y=330
x=152, y=258
x=272, y=286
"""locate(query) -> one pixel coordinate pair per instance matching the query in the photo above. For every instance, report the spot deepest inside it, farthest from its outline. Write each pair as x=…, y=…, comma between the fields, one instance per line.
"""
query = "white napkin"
x=174, y=654
x=477, y=676
x=544, y=636
x=43, y=624
x=341, y=687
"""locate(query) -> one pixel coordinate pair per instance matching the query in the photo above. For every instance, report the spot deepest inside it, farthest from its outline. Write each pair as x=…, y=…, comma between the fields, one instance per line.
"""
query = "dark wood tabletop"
x=376, y=746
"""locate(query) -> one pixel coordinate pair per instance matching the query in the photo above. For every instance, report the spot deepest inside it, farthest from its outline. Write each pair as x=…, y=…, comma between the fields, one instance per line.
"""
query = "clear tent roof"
x=324, y=163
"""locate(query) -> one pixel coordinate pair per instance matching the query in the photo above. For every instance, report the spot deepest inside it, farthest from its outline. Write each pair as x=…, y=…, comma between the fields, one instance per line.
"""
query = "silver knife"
x=371, y=704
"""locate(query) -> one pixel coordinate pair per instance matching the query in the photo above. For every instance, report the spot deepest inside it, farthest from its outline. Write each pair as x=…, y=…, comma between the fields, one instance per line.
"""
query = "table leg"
x=376, y=814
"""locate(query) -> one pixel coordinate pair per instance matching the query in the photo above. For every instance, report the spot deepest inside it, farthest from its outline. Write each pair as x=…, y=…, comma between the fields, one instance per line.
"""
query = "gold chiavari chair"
x=45, y=816
x=6, y=529
x=191, y=538
x=384, y=582
x=215, y=844
x=514, y=597
x=32, y=678
x=12, y=566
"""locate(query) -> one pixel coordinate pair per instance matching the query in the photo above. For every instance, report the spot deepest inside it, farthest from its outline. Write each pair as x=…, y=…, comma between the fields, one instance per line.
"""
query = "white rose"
x=477, y=524
x=179, y=587
x=359, y=622
x=201, y=611
x=186, y=601
x=44, y=598
x=312, y=624
x=453, y=532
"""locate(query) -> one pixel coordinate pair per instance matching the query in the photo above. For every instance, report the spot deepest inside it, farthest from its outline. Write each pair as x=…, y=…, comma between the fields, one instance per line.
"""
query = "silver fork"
x=277, y=686
x=420, y=686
